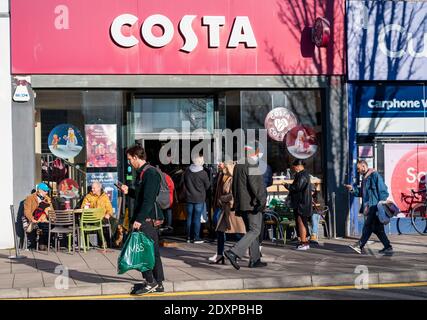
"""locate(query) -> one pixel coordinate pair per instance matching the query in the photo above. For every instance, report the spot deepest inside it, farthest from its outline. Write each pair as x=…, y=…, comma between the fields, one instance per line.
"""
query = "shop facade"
x=142, y=68
x=387, y=56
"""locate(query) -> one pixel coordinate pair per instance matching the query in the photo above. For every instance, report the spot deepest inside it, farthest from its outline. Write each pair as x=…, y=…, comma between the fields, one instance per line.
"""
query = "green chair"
x=90, y=221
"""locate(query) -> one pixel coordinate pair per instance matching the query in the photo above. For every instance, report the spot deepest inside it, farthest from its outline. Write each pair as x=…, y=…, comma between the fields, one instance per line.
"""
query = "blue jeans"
x=168, y=217
x=194, y=212
x=315, y=218
x=216, y=215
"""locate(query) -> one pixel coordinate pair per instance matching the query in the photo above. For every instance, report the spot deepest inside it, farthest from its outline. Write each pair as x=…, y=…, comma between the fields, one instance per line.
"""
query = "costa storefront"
x=142, y=67
x=387, y=56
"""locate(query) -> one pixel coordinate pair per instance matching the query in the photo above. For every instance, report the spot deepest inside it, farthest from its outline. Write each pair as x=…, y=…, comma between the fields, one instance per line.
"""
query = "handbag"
x=137, y=253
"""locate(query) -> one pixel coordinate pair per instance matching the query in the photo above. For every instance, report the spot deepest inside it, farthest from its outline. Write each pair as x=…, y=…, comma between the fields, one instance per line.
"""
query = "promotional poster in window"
x=101, y=142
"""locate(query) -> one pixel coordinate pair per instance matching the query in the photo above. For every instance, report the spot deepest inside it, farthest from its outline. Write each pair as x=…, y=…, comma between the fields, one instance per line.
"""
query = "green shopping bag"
x=137, y=253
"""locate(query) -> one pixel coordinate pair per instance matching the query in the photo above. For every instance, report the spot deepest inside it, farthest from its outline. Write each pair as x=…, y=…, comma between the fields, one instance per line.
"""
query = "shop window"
x=152, y=115
x=307, y=107
x=101, y=152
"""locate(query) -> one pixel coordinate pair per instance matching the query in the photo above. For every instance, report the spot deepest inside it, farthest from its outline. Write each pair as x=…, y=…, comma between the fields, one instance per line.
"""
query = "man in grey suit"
x=250, y=198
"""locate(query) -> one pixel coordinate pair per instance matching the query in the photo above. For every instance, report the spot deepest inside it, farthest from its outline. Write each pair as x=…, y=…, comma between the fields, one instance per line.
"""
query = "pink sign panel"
x=242, y=37
x=101, y=145
x=405, y=168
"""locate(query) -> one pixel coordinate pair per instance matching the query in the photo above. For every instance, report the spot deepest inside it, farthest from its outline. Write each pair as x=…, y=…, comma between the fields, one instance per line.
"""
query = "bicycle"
x=416, y=211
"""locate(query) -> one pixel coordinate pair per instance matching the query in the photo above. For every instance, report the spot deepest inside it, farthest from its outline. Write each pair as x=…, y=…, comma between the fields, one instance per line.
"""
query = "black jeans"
x=157, y=273
x=373, y=225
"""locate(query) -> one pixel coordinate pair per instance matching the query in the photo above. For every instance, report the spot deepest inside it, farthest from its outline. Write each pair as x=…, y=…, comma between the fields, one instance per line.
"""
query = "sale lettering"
x=241, y=31
x=413, y=176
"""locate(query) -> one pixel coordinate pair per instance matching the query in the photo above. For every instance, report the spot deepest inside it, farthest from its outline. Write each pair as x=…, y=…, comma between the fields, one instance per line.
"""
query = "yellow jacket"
x=96, y=201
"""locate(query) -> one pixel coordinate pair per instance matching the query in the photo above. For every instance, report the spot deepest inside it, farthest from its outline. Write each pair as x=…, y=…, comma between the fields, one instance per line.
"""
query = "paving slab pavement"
x=187, y=268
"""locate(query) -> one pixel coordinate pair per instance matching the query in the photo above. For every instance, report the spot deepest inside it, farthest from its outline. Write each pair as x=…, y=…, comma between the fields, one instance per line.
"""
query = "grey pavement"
x=186, y=266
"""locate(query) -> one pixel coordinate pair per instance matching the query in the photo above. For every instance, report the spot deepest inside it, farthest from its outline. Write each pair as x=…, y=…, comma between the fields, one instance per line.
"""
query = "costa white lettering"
x=213, y=23
x=241, y=31
x=397, y=104
x=116, y=30
x=414, y=177
x=410, y=43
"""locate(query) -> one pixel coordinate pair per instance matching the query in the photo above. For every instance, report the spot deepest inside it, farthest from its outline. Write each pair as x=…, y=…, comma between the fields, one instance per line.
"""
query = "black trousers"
x=373, y=225
x=157, y=273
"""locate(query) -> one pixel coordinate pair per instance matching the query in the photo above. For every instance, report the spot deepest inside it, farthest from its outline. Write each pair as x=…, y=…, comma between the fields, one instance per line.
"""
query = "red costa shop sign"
x=241, y=37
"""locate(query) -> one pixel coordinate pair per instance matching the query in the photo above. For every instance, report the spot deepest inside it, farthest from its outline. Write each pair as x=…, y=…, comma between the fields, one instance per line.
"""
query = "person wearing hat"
x=36, y=207
x=301, y=201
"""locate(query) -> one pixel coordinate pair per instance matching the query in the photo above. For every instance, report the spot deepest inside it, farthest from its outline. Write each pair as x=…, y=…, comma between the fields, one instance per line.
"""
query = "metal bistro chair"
x=323, y=211
x=90, y=221
x=108, y=224
x=62, y=222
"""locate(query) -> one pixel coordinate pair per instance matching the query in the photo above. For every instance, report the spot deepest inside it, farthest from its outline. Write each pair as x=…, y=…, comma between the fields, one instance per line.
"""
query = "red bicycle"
x=417, y=211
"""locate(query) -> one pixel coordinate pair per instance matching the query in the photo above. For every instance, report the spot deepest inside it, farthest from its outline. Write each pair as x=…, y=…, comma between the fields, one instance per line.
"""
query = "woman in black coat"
x=301, y=201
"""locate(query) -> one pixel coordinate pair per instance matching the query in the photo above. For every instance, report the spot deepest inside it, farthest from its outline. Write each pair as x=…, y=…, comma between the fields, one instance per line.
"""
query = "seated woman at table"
x=97, y=198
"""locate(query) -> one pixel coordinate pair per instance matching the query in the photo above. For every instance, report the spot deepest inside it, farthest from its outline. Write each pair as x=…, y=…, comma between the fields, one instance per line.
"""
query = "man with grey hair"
x=250, y=197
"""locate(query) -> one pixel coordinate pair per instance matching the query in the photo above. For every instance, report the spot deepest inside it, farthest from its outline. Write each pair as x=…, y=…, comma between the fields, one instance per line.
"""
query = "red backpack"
x=167, y=188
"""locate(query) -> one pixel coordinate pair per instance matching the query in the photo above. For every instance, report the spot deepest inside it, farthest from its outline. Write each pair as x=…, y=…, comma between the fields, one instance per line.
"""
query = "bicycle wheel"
x=419, y=219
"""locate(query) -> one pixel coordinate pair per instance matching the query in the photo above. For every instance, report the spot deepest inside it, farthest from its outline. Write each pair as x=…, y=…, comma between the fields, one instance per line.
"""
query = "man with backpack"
x=147, y=213
x=372, y=191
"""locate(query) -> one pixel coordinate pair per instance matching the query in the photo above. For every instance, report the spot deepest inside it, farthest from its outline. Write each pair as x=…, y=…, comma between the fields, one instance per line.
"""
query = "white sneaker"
x=199, y=241
x=303, y=247
x=213, y=258
x=356, y=247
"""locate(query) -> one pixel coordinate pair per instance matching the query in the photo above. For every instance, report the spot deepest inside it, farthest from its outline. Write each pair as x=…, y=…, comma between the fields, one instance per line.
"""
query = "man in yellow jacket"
x=97, y=198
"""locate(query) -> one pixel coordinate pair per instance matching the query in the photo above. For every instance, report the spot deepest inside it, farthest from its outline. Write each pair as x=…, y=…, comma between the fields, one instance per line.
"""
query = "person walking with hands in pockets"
x=372, y=191
x=145, y=215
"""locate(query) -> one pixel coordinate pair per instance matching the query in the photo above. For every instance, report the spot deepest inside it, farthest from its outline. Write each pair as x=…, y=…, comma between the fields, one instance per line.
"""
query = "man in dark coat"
x=146, y=214
x=250, y=198
x=301, y=201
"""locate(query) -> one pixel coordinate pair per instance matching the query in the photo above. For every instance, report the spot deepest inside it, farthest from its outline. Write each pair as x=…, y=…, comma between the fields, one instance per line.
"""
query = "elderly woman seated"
x=97, y=198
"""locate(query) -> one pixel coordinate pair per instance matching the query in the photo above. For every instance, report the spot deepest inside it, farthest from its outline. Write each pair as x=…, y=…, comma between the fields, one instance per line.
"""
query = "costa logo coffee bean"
x=278, y=122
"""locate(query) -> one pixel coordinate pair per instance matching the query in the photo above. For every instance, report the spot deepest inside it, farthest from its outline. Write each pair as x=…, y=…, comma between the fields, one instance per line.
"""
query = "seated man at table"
x=97, y=198
x=36, y=207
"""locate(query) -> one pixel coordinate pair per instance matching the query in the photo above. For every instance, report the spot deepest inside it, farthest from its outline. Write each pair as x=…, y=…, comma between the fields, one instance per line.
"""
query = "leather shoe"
x=257, y=264
x=233, y=259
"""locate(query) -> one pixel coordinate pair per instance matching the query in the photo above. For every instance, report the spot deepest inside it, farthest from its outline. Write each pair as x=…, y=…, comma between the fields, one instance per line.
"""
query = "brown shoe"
x=42, y=247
